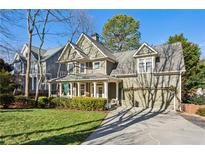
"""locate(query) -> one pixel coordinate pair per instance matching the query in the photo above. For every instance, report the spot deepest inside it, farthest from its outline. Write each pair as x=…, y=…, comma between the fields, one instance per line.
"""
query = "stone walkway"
x=135, y=126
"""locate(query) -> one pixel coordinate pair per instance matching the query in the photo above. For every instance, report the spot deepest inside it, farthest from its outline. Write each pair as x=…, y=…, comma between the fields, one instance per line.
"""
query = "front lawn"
x=47, y=126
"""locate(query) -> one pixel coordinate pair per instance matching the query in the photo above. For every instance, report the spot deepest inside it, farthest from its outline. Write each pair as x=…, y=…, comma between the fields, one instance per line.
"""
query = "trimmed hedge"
x=80, y=103
x=6, y=100
x=201, y=112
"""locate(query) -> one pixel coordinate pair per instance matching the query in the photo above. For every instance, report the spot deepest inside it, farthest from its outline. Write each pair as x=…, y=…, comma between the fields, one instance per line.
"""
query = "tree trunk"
x=28, y=65
x=39, y=83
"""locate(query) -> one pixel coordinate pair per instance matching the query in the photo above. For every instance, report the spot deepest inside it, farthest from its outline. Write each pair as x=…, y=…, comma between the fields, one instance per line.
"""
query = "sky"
x=155, y=26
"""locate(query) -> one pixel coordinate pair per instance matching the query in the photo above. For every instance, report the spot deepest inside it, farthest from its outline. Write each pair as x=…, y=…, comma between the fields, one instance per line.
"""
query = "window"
x=70, y=68
x=141, y=65
x=82, y=68
x=90, y=65
x=82, y=89
x=96, y=65
x=145, y=65
x=157, y=59
x=149, y=65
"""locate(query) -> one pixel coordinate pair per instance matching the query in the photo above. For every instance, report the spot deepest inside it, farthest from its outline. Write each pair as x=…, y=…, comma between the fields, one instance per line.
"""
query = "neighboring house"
x=149, y=76
x=49, y=67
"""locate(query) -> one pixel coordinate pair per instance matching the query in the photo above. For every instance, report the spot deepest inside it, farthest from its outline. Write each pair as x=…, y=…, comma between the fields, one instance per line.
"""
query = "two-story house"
x=49, y=67
x=149, y=76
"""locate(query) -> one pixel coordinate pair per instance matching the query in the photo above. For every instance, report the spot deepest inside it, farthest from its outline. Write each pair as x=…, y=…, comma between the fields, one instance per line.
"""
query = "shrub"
x=6, y=100
x=42, y=101
x=61, y=102
x=201, y=112
x=25, y=101
x=198, y=100
x=80, y=103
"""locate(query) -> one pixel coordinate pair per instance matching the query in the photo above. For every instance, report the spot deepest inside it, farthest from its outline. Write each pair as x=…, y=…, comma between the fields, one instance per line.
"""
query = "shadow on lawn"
x=112, y=124
x=15, y=110
x=75, y=137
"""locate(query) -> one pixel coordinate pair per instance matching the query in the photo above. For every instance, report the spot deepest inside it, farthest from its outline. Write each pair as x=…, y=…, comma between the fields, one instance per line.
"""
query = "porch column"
x=32, y=81
x=60, y=89
x=106, y=89
x=71, y=89
x=95, y=89
x=49, y=89
x=78, y=88
x=117, y=90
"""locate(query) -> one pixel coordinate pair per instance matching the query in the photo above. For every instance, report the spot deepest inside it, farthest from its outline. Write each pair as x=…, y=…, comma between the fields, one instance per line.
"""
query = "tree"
x=41, y=34
x=121, y=33
x=6, y=84
x=31, y=21
x=191, y=54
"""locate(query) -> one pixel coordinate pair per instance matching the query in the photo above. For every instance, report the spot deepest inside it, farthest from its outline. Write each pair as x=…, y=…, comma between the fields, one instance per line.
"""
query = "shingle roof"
x=50, y=52
x=170, y=55
x=81, y=77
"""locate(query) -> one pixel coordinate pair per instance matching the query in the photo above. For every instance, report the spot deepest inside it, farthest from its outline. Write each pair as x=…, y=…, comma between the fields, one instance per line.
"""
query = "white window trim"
x=84, y=68
x=144, y=59
x=94, y=65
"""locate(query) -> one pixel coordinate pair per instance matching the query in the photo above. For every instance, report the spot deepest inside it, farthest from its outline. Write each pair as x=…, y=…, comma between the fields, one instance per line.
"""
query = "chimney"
x=95, y=36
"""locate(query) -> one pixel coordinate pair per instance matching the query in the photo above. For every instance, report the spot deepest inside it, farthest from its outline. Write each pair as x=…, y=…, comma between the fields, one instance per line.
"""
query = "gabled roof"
x=147, y=46
x=21, y=57
x=77, y=49
x=170, y=60
x=104, y=50
x=45, y=54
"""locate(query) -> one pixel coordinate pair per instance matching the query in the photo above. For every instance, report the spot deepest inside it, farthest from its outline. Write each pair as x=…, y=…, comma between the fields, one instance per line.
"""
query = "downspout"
x=180, y=82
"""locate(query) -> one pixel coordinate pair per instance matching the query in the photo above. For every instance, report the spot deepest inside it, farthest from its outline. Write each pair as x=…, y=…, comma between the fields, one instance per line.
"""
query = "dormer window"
x=145, y=65
x=70, y=68
x=96, y=65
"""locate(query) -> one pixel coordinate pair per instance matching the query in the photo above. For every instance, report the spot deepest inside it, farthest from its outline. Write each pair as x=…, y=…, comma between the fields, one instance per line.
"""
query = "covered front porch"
x=107, y=88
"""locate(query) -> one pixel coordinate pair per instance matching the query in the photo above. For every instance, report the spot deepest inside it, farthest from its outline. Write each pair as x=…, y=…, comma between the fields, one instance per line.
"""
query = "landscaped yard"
x=47, y=126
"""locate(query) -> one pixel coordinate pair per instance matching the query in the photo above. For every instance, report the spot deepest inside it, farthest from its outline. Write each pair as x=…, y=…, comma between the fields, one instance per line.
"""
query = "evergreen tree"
x=192, y=78
x=121, y=33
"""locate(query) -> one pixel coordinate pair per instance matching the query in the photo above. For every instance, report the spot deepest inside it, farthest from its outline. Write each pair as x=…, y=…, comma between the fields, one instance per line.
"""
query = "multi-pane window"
x=141, y=65
x=96, y=65
x=145, y=65
x=70, y=68
x=149, y=65
x=82, y=68
x=82, y=89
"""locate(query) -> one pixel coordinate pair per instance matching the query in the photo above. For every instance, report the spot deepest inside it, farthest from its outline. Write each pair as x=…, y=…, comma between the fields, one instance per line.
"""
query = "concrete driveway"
x=135, y=126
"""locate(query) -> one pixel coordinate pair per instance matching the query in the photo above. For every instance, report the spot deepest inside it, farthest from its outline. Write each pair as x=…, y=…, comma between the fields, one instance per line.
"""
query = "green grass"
x=47, y=126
